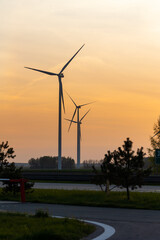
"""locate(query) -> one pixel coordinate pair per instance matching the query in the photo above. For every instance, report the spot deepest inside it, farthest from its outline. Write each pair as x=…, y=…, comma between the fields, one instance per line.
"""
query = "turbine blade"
x=72, y=119
x=70, y=59
x=74, y=114
x=48, y=73
x=61, y=90
x=86, y=104
x=85, y=114
x=156, y=134
x=71, y=99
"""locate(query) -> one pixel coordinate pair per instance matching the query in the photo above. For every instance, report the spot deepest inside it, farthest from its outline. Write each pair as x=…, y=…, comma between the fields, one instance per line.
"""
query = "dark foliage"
x=106, y=175
x=51, y=162
x=41, y=213
x=9, y=170
x=122, y=168
x=155, y=144
x=87, y=164
x=129, y=167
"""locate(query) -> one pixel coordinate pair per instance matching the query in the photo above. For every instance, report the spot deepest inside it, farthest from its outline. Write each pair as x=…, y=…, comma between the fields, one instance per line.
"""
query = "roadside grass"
x=14, y=226
x=137, y=200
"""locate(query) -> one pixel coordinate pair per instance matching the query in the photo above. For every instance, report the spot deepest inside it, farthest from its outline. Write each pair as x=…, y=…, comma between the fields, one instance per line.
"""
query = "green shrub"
x=41, y=213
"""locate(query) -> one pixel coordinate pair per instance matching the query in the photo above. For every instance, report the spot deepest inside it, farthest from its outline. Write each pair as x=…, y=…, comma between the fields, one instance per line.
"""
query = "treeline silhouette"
x=89, y=163
x=48, y=162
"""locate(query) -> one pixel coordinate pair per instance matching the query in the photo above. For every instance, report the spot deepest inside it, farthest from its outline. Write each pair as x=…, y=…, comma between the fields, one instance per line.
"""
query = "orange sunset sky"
x=119, y=68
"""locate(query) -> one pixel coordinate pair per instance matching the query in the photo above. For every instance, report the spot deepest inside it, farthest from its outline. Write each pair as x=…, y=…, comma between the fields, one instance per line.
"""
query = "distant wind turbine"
x=61, y=99
x=76, y=109
x=79, y=122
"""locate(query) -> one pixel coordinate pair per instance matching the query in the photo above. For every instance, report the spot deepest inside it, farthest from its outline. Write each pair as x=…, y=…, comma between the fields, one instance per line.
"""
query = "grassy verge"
x=91, y=198
x=20, y=226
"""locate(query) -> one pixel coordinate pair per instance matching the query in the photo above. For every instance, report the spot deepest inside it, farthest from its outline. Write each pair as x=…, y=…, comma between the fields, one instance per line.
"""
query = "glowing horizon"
x=118, y=68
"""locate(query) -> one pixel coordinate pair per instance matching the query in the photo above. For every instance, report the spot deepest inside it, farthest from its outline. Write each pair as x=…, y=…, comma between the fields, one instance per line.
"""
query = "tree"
x=155, y=144
x=33, y=163
x=123, y=168
x=105, y=177
x=89, y=163
x=130, y=172
x=9, y=170
x=68, y=163
x=48, y=162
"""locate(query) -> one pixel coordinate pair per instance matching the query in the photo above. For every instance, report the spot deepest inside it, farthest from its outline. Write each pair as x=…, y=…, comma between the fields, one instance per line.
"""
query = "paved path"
x=70, y=186
x=88, y=187
x=129, y=224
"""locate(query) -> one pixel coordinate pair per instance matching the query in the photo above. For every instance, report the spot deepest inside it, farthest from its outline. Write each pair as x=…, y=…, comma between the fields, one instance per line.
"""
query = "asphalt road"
x=129, y=224
x=88, y=187
x=70, y=186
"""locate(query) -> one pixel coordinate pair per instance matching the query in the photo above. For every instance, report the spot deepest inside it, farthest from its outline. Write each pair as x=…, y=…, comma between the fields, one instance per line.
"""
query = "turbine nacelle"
x=61, y=75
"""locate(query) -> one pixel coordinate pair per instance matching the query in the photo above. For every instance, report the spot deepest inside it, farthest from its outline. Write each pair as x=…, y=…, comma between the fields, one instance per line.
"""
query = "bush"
x=41, y=213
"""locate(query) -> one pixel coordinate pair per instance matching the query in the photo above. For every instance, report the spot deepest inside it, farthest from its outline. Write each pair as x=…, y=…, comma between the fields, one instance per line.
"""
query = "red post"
x=23, y=199
x=22, y=187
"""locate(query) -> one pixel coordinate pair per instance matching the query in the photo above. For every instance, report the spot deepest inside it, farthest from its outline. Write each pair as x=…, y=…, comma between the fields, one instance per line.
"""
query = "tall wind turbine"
x=61, y=100
x=79, y=122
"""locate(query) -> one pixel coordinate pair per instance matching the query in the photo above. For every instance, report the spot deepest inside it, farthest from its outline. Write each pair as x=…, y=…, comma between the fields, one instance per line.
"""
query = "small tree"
x=130, y=172
x=122, y=168
x=9, y=170
x=106, y=175
x=155, y=144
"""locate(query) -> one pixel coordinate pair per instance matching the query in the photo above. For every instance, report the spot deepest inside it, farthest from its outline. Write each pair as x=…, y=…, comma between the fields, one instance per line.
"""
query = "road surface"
x=129, y=224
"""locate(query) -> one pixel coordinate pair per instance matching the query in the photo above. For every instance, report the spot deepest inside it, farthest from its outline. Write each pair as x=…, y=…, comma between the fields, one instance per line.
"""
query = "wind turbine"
x=77, y=108
x=61, y=100
x=79, y=122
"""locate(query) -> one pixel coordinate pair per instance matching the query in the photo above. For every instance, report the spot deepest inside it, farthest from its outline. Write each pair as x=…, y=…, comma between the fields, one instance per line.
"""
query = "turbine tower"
x=79, y=122
x=61, y=100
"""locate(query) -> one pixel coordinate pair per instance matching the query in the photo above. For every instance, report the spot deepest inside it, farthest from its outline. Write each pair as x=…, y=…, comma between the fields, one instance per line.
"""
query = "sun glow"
x=118, y=68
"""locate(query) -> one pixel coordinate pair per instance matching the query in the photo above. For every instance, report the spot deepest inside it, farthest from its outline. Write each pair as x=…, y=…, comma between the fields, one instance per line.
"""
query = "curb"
x=108, y=230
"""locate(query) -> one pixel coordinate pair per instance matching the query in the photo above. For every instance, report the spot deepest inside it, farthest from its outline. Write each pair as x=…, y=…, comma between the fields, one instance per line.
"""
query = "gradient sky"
x=119, y=68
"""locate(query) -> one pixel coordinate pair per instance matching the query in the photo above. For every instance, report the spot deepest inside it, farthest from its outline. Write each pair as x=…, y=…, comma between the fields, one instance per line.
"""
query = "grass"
x=14, y=226
x=90, y=198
